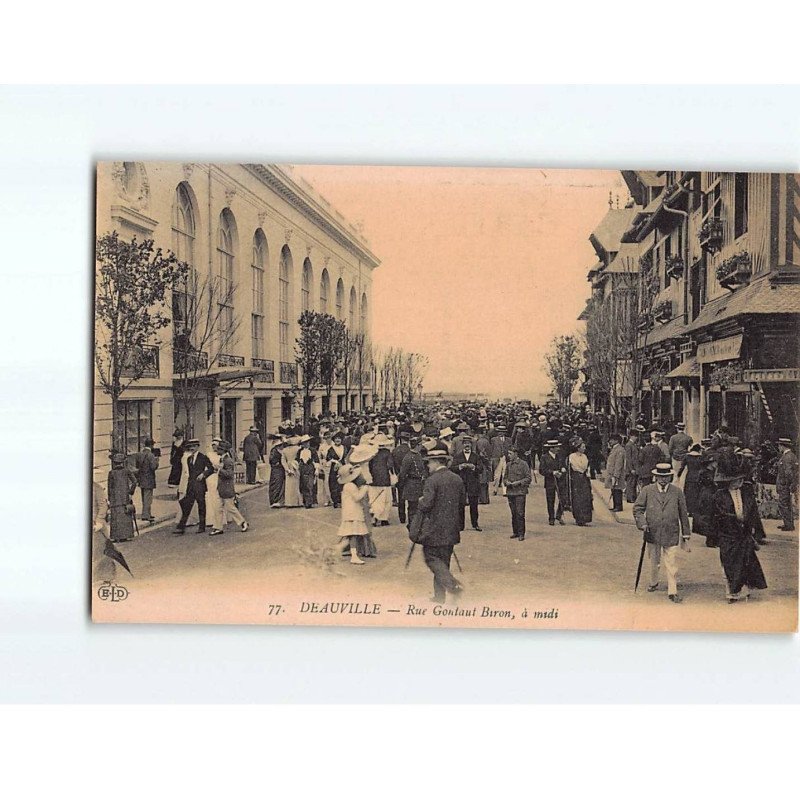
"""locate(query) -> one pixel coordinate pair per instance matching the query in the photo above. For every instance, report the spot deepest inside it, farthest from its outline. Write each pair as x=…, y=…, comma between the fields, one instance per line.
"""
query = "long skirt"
x=334, y=487
x=323, y=488
x=580, y=496
x=291, y=497
x=740, y=563
x=277, y=485
x=380, y=502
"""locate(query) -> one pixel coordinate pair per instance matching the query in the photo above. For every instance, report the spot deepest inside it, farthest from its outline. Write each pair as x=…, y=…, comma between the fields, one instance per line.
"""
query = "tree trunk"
x=117, y=434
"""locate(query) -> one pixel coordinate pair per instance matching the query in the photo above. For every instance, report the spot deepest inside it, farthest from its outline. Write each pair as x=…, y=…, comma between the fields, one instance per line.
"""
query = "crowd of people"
x=368, y=464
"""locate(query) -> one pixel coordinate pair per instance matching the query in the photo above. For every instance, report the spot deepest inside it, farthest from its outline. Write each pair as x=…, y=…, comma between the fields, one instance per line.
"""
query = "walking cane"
x=641, y=561
x=458, y=563
x=135, y=523
x=410, y=553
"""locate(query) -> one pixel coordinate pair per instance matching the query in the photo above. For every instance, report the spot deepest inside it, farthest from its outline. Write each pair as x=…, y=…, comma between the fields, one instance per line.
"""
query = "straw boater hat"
x=552, y=444
x=382, y=440
x=193, y=443
x=462, y=426
x=118, y=458
x=663, y=470
x=437, y=454
x=445, y=432
x=680, y=425
x=304, y=438
x=785, y=441
x=253, y=429
x=362, y=453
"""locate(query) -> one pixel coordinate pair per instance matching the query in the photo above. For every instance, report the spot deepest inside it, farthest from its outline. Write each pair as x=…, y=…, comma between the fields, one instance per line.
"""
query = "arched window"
x=340, y=300
x=284, y=301
x=306, y=287
x=259, y=265
x=184, y=229
x=351, y=320
x=324, y=291
x=225, y=289
x=363, y=325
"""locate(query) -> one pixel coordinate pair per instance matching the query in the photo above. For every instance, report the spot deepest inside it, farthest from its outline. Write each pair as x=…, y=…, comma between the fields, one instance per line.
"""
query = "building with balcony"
x=718, y=335
x=263, y=247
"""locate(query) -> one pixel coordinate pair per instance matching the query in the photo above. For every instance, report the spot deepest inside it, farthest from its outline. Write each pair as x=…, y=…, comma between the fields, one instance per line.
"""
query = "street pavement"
x=593, y=565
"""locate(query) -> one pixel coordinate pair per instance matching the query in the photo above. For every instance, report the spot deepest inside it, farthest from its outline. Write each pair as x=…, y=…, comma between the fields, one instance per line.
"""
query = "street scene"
x=446, y=397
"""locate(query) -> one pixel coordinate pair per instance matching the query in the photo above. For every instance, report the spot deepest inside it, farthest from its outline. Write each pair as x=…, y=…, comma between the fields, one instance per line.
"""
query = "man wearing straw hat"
x=442, y=504
x=660, y=512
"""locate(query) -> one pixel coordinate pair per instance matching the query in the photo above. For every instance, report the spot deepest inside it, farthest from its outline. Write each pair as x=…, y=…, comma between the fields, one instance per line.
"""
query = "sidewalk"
x=626, y=517
x=165, y=507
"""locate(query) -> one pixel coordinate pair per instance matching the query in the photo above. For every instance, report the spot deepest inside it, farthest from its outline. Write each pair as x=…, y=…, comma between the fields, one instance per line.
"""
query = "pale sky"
x=480, y=268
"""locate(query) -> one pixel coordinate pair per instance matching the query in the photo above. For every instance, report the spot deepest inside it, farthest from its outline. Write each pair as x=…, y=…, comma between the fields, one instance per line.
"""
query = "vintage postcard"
x=446, y=397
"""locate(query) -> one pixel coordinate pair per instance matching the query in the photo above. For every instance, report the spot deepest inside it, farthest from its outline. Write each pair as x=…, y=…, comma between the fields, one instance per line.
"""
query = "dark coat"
x=549, y=465
x=146, y=465
x=413, y=473
x=469, y=470
x=398, y=454
x=226, y=478
x=442, y=502
x=175, y=456
x=380, y=467
x=500, y=445
x=201, y=467
x=736, y=539
x=651, y=454
x=252, y=447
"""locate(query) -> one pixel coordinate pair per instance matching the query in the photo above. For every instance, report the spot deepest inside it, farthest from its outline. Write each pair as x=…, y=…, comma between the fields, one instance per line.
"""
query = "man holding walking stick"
x=440, y=522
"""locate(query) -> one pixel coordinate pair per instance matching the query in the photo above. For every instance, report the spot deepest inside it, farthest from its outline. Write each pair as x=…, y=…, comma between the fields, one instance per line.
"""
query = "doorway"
x=227, y=420
x=260, y=417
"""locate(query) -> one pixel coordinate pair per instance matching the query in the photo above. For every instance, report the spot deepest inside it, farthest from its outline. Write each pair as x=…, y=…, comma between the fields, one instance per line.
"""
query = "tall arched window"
x=340, y=300
x=226, y=238
x=183, y=235
x=259, y=265
x=324, y=291
x=363, y=325
x=306, y=287
x=284, y=301
x=351, y=319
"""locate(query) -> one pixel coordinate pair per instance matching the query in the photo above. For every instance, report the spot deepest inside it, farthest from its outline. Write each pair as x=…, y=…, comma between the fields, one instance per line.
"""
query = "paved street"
x=593, y=567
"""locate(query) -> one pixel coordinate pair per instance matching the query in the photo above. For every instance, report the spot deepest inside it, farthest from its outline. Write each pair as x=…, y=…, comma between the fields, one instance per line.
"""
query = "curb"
x=165, y=521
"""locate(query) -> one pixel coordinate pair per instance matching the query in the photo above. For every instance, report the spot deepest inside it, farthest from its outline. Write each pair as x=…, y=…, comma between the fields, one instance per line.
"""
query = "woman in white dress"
x=324, y=471
x=289, y=456
x=213, y=500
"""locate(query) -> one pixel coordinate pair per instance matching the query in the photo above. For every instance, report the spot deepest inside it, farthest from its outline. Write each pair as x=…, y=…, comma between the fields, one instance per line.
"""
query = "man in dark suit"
x=146, y=464
x=199, y=468
x=442, y=504
x=253, y=452
x=468, y=465
x=551, y=465
x=412, y=475
x=398, y=454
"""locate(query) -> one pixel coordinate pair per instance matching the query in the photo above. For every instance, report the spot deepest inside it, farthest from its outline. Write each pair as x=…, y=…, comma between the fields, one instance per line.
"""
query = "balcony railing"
x=268, y=367
x=227, y=360
x=145, y=363
x=735, y=271
x=186, y=362
x=288, y=372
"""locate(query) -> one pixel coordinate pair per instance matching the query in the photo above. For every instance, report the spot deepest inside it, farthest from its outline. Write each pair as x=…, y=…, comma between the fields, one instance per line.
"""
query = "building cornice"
x=280, y=182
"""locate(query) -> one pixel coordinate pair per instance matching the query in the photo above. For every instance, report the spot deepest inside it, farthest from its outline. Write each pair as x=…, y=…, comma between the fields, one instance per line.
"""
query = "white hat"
x=362, y=453
x=448, y=431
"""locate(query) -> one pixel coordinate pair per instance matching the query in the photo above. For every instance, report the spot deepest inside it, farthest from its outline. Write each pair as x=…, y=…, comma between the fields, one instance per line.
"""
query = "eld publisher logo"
x=110, y=591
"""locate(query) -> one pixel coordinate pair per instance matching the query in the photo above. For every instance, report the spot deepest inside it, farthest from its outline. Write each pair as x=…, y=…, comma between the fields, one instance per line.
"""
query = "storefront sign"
x=771, y=375
x=720, y=350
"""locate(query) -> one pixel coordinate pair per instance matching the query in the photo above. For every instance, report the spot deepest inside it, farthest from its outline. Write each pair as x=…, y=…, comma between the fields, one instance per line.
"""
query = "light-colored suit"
x=663, y=516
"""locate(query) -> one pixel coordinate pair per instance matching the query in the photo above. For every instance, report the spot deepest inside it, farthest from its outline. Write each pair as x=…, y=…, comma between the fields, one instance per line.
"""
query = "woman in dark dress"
x=175, y=458
x=703, y=502
x=735, y=520
x=277, y=476
x=335, y=456
x=692, y=466
x=121, y=486
x=580, y=489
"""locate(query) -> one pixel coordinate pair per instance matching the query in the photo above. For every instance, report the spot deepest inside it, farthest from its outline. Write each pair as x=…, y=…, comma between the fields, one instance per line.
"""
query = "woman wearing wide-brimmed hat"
x=356, y=529
x=289, y=456
x=381, y=469
x=735, y=520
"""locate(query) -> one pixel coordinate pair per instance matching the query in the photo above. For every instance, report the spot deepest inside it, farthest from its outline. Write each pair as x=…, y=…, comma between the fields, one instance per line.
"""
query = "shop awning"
x=691, y=368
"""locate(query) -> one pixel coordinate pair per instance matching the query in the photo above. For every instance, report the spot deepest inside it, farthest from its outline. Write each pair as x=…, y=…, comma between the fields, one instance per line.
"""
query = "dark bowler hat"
x=118, y=458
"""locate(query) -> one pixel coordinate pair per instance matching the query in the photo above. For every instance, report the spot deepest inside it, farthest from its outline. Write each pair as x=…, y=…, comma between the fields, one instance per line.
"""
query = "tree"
x=133, y=281
x=308, y=352
x=332, y=356
x=563, y=362
x=362, y=359
x=206, y=330
x=348, y=355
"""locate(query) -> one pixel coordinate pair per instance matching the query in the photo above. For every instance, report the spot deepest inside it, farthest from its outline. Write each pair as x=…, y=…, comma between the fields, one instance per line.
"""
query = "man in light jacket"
x=660, y=511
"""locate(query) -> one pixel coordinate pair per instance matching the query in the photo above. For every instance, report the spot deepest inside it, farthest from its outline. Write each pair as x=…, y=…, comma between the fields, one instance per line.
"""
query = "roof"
x=607, y=235
x=691, y=368
x=626, y=260
x=669, y=330
x=760, y=297
x=637, y=180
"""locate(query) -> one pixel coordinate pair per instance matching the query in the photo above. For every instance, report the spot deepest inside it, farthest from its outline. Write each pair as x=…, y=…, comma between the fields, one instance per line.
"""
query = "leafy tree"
x=313, y=355
x=333, y=346
x=133, y=281
x=563, y=362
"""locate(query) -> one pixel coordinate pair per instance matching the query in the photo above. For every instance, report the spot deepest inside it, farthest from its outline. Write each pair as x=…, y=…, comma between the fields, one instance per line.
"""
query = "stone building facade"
x=271, y=247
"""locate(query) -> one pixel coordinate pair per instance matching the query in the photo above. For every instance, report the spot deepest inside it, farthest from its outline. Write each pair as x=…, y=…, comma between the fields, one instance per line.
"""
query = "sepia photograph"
x=527, y=398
